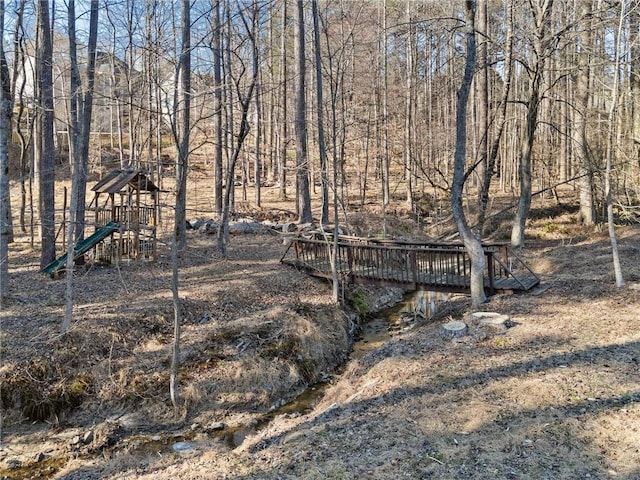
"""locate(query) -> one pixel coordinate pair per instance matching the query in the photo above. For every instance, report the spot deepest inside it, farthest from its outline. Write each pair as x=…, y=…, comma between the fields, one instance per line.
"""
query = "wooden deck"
x=434, y=266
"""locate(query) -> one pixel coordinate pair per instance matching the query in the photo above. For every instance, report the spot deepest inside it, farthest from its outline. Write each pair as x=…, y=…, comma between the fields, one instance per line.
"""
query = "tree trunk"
x=408, y=110
x=482, y=94
x=541, y=12
x=303, y=194
x=386, y=195
x=245, y=103
x=615, y=254
x=322, y=147
x=177, y=321
x=218, y=109
x=585, y=182
x=47, y=154
x=183, y=129
x=471, y=243
x=86, y=112
x=179, y=231
x=6, y=109
x=284, y=128
x=257, y=161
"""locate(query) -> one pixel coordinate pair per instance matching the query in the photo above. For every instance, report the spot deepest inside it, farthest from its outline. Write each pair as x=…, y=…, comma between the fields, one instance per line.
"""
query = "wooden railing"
x=437, y=266
x=126, y=216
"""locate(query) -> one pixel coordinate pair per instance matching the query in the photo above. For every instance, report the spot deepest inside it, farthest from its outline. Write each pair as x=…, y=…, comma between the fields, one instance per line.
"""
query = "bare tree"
x=6, y=109
x=303, y=194
x=216, y=30
x=583, y=92
x=181, y=134
x=613, y=111
x=322, y=146
x=471, y=243
x=244, y=98
x=181, y=125
x=80, y=127
x=499, y=121
x=46, y=147
x=541, y=11
x=284, y=127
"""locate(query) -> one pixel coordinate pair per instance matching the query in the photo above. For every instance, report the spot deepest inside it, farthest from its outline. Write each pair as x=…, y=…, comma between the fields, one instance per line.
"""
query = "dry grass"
x=554, y=397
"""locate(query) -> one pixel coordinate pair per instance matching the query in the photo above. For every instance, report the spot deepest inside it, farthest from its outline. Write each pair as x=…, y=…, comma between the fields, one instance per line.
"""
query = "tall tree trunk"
x=6, y=109
x=75, y=86
x=245, y=103
x=257, y=160
x=615, y=254
x=386, y=173
x=499, y=121
x=86, y=110
x=303, y=194
x=47, y=153
x=183, y=127
x=541, y=12
x=218, y=108
x=322, y=147
x=471, y=243
x=585, y=182
x=179, y=232
x=408, y=111
x=284, y=128
x=481, y=84
x=80, y=127
x=634, y=41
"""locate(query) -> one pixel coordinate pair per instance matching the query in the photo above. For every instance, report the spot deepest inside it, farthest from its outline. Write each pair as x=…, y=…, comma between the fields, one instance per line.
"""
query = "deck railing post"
x=491, y=271
x=414, y=267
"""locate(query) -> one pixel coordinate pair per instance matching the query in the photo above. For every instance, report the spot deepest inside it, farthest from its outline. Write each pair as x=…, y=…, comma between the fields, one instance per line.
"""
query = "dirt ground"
x=556, y=396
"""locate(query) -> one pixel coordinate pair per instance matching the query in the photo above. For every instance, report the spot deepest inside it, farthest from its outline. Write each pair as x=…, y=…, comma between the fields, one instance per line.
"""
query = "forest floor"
x=556, y=396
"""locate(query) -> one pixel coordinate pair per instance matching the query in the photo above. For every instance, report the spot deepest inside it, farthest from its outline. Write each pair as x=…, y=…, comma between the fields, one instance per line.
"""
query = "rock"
x=87, y=437
x=217, y=426
x=208, y=228
x=454, y=329
x=195, y=224
x=245, y=227
x=13, y=464
x=39, y=457
x=75, y=440
x=492, y=320
x=184, y=448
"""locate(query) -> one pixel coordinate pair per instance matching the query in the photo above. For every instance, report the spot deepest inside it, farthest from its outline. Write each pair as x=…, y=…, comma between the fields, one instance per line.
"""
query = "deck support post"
x=491, y=272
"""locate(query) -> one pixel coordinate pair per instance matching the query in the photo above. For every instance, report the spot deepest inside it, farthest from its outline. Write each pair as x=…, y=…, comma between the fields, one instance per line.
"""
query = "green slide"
x=82, y=247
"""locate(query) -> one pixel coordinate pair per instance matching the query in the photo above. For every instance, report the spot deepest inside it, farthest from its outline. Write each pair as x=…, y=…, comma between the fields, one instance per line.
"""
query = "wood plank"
x=435, y=266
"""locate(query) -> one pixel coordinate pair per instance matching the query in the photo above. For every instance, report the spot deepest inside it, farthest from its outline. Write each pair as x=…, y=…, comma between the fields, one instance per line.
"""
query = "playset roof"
x=116, y=180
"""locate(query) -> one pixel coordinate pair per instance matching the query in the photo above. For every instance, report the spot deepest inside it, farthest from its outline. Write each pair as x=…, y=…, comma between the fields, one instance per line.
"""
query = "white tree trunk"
x=471, y=243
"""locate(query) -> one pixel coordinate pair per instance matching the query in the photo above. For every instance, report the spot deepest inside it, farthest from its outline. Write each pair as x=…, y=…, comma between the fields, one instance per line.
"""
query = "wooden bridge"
x=436, y=266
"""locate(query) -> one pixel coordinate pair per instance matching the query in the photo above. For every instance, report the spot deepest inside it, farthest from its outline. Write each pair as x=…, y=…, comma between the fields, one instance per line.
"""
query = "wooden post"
x=491, y=271
x=136, y=222
x=64, y=220
x=350, y=263
x=414, y=267
x=154, y=233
